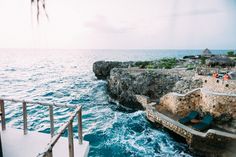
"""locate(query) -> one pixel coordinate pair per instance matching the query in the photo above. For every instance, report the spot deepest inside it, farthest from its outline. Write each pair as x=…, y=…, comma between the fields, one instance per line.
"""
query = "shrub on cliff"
x=151, y=66
x=142, y=64
x=190, y=66
x=203, y=60
x=231, y=54
x=167, y=63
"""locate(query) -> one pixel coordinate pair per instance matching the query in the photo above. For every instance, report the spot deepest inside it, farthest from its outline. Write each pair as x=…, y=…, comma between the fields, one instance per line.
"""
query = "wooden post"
x=3, y=115
x=25, y=117
x=51, y=120
x=70, y=139
x=80, y=131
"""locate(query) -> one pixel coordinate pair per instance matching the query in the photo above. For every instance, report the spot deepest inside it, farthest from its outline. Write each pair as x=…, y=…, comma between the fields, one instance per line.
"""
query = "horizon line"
x=191, y=49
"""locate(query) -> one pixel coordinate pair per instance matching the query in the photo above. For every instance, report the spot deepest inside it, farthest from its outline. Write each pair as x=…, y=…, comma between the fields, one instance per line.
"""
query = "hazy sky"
x=123, y=24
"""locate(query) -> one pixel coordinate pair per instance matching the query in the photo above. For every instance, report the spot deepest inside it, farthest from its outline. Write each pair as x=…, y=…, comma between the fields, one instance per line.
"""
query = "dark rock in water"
x=102, y=68
x=192, y=57
x=187, y=57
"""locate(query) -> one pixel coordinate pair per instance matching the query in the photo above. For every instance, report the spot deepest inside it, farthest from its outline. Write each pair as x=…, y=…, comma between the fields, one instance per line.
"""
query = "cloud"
x=193, y=13
x=102, y=24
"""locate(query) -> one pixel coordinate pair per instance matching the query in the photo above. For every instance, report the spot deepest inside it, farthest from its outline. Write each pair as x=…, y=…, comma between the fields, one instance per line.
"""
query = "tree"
x=40, y=6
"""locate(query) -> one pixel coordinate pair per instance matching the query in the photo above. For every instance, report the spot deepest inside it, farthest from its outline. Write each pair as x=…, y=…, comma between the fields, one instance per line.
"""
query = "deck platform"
x=16, y=144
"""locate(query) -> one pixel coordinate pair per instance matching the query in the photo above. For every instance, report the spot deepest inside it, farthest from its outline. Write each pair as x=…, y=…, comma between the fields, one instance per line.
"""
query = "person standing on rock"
x=226, y=77
x=215, y=75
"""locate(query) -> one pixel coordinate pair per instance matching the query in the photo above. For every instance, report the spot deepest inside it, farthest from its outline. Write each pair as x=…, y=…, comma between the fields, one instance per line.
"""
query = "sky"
x=119, y=24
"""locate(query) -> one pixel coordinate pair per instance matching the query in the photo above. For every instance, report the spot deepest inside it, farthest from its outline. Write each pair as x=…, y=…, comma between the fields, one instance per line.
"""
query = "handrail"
x=48, y=150
x=55, y=138
x=205, y=91
x=39, y=103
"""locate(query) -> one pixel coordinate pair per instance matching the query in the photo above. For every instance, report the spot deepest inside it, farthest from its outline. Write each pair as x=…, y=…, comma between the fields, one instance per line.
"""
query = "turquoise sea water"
x=66, y=76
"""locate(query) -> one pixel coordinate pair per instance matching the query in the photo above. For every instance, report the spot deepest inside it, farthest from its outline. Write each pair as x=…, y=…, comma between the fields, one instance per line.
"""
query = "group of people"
x=225, y=77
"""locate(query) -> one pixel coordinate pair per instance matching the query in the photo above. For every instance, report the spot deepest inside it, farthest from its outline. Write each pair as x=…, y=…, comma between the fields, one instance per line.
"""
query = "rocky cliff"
x=125, y=83
x=102, y=69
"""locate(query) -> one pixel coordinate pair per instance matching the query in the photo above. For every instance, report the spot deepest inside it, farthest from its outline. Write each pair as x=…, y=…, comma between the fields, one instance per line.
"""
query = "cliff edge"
x=125, y=82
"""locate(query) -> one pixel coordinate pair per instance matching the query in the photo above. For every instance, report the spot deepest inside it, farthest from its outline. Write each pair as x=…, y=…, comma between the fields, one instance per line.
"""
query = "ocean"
x=65, y=76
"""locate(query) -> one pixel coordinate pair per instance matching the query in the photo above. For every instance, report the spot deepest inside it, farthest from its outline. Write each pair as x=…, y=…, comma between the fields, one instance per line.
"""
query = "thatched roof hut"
x=206, y=52
x=220, y=61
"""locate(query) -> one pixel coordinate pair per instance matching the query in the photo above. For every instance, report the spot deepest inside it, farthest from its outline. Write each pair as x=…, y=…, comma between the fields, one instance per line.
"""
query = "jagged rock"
x=192, y=57
x=102, y=69
x=124, y=84
x=186, y=85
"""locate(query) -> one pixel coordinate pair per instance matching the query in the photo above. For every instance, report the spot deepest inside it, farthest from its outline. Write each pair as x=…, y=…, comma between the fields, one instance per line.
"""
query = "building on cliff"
x=206, y=53
x=220, y=60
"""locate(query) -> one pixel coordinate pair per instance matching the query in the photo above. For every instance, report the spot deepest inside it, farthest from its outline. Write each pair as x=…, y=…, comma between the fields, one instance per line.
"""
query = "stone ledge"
x=213, y=141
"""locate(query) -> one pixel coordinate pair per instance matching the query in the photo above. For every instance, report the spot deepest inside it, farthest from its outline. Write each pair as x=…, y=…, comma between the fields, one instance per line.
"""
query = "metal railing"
x=48, y=152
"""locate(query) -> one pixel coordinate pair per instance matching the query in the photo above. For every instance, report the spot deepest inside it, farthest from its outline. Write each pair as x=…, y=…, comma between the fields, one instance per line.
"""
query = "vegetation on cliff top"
x=231, y=54
x=167, y=63
x=203, y=60
x=164, y=63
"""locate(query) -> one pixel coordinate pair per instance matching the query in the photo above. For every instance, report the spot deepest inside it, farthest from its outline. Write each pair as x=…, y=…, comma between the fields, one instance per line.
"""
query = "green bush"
x=167, y=63
x=142, y=64
x=150, y=66
x=190, y=66
x=230, y=53
x=203, y=60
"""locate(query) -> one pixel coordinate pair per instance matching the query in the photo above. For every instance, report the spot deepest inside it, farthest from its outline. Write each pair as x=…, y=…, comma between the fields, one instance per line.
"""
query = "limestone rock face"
x=125, y=84
x=102, y=69
x=187, y=85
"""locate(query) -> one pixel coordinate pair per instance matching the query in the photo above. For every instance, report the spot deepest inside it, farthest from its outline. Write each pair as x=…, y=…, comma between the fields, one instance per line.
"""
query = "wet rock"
x=192, y=57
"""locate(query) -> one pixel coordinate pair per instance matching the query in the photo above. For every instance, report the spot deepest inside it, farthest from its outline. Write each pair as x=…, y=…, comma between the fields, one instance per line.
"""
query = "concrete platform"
x=16, y=144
